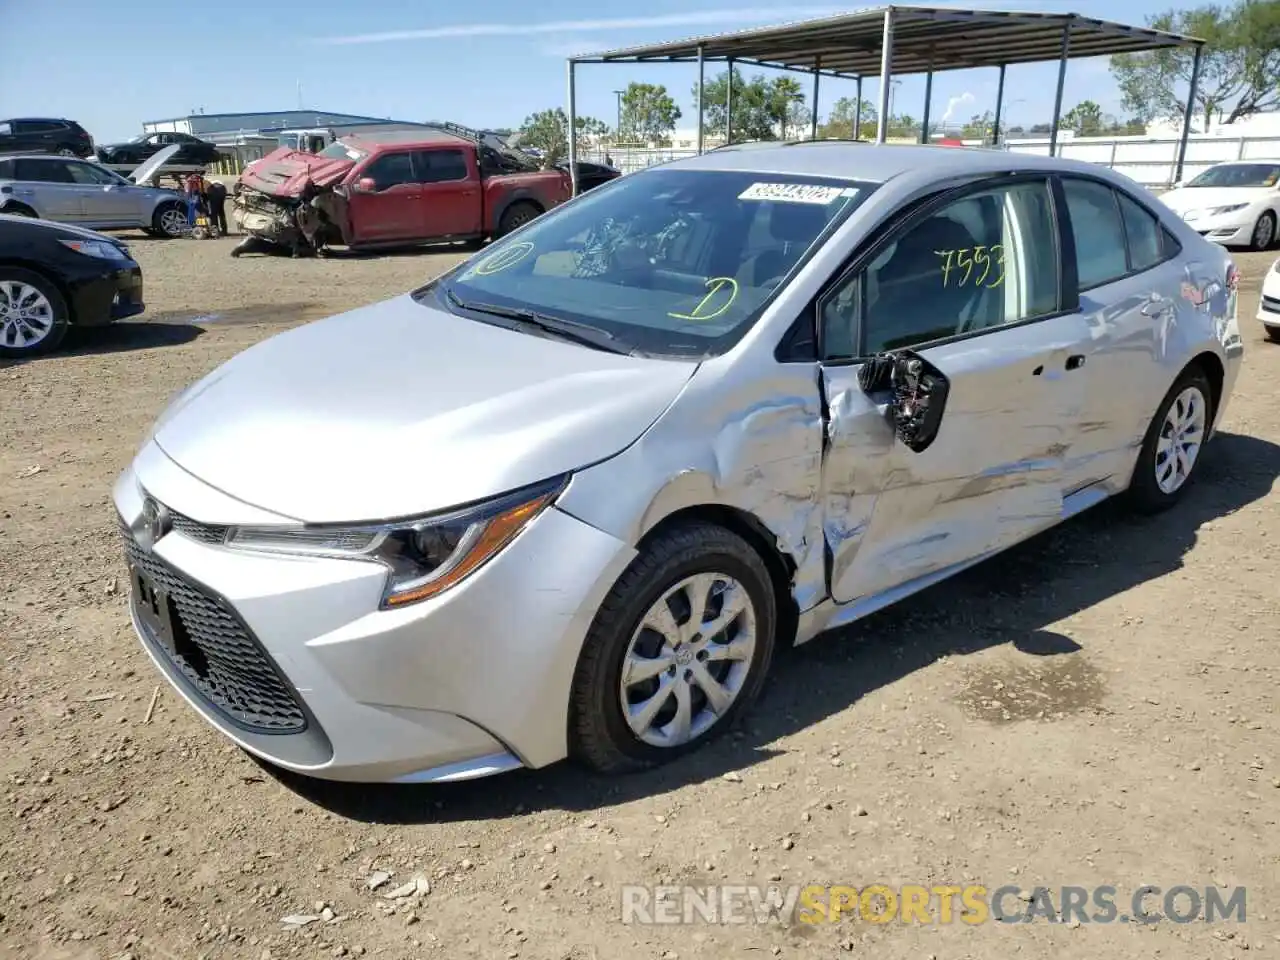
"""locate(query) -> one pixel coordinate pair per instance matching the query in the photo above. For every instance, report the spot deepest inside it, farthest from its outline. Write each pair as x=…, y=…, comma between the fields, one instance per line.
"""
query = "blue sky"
x=485, y=65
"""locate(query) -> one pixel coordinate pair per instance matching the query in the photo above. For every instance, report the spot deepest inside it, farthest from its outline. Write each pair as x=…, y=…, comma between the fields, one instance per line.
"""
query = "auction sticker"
x=796, y=193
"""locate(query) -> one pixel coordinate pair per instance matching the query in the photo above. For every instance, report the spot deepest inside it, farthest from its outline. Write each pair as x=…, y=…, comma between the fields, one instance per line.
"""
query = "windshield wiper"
x=570, y=330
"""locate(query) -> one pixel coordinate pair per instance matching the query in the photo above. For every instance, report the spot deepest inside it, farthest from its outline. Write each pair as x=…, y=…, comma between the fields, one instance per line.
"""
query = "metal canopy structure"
x=891, y=41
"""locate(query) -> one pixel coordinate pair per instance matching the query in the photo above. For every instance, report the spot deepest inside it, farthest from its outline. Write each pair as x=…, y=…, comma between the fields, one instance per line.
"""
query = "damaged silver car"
x=569, y=498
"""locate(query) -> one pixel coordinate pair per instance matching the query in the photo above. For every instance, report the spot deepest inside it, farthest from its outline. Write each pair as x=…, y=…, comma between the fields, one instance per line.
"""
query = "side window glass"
x=440, y=166
x=391, y=169
x=1143, y=231
x=6, y=129
x=1095, y=223
x=978, y=263
x=42, y=171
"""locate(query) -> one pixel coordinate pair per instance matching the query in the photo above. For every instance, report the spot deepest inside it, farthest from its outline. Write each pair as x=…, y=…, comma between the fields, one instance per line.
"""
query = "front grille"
x=1271, y=304
x=217, y=654
x=195, y=530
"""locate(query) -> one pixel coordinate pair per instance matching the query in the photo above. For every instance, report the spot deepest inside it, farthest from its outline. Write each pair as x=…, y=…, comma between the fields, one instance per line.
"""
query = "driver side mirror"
x=366, y=185
x=918, y=394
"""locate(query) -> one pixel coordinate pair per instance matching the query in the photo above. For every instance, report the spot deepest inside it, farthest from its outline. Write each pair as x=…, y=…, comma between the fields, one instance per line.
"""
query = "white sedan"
x=1269, y=307
x=1234, y=204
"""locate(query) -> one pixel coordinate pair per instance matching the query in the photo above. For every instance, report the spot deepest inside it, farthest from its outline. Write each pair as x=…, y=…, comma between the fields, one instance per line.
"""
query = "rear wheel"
x=1173, y=444
x=33, y=313
x=18, y=210
x=170, y=220
x=1264, y=231
x=516, y=216
x=679, y=647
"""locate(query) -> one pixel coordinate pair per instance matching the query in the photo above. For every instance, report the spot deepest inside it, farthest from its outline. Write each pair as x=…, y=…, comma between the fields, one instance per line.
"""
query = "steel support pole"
x=701, y=80
x=1187, y=114
x=573, y=135
x=995, y=126
x=928, y=98
x=857, y=113
x=813, y=120
x=728, y=104
x=1057, y=99
x=886, y=76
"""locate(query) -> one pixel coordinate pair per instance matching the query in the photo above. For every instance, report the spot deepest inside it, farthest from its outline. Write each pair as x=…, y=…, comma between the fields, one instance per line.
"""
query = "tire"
x=600, y=734
x=1272, y=334
x=43, y=320
x=1264, y=232
x=67, y=152
x=516, y=216
x=1146, y=494
x=165, y=221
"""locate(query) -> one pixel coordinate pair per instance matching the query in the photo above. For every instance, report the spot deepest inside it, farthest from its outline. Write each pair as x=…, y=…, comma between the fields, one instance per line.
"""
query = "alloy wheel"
x=688, y=660
x=1181, y=436
x=26, y=315
x=174, y=222
x=1263, y=233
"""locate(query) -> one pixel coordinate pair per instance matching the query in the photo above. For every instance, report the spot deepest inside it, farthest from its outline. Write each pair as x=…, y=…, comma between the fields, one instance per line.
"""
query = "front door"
x=971, y=285
x=450, y=193
x=106, y=198
x=392, y=209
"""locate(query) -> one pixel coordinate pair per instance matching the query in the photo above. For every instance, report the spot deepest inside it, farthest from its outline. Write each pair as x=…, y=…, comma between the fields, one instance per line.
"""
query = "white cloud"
x=690, y=18
x=954, y=102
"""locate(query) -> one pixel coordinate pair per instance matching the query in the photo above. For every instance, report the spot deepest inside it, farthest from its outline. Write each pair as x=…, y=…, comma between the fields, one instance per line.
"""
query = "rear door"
x=392, y=209
x=37, y=136
x=46, y=184
x=450, y=204
x=973, y=283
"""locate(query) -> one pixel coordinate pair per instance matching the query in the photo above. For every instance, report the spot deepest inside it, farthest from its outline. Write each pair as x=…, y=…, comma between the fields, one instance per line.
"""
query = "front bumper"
x=1269, y=303
x=302, y=669
x=111, y=295
x=1229, y=229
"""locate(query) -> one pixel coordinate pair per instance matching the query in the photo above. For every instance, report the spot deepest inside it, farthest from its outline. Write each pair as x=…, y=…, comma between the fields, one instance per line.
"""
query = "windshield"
x=667, y=262
x=138, y=139
x=340, y=151
x=1239, y=175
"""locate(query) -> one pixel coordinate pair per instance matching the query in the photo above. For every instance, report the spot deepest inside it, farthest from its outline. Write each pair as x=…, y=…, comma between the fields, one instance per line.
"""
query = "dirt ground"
x=1097, y=707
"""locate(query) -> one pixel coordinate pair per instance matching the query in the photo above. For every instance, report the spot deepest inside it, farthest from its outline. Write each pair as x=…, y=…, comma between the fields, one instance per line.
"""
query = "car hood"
x=1205, y=198
x=401, y=408
x=284, y=172
x=67, y=230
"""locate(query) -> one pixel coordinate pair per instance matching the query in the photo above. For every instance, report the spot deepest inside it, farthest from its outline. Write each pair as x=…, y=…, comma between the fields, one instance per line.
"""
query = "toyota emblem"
x=154, y=523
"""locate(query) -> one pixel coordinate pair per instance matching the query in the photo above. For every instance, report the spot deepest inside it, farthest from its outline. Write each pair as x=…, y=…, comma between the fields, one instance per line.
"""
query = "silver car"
x=87, y=194
x=568, y=498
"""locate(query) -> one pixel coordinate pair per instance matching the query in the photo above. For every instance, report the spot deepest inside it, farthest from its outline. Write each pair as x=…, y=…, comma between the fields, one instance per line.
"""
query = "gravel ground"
x=1096, y=707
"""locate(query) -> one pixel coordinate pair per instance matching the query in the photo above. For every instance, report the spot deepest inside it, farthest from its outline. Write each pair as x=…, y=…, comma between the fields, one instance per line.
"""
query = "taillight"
x=1233, y=277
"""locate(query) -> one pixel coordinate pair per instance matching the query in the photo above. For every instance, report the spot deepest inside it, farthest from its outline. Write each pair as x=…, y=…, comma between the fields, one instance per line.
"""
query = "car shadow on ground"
x=1009, y=600
x=115, y=338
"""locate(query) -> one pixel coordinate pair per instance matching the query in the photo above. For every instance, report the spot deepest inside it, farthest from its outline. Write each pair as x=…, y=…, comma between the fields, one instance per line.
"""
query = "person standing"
x=216, y=199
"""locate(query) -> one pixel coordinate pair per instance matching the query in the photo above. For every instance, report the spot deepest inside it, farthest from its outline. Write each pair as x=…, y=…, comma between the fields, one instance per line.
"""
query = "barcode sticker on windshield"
x=796, y=193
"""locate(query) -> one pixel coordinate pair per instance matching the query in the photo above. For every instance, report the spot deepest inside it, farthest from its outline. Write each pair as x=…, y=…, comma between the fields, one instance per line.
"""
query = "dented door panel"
x=993, y=476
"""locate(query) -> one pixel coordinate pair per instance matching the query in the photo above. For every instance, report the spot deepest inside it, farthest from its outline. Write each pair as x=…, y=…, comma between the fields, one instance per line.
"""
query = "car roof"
x=872, y=162
x=42, y=156
x=389, y=138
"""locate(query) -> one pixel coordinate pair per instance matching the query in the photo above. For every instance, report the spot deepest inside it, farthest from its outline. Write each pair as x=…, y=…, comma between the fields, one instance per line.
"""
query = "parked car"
x=389, y=188
x=45, y=135
x=1234, y=204
x=86, y=193
x=569, y=497
x=192, y=151
x=1269, y=306
x=54, y=276
x=592, y=175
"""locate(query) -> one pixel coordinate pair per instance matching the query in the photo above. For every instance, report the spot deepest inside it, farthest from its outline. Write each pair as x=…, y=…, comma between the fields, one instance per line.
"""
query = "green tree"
x=548, y=131
x=1085, y=118
x=784, y=98
x=648, y=113
x=763, y=109
x=978, y=127
x=840, y=120
x=1240, y=65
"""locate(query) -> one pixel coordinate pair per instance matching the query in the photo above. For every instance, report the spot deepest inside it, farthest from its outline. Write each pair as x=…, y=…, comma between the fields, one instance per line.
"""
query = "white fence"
x=1150, y=161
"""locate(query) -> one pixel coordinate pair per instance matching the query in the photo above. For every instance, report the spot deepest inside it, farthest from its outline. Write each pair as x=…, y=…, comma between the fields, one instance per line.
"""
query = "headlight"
x=424, y=556
x=96, y=248
x=1231, y=209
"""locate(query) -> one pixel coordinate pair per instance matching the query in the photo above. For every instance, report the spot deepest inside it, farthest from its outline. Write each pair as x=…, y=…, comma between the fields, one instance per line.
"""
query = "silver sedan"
x=570, y=497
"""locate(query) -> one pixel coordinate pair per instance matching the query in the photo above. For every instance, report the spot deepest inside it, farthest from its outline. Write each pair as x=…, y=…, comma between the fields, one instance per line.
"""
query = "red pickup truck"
x=390, y=189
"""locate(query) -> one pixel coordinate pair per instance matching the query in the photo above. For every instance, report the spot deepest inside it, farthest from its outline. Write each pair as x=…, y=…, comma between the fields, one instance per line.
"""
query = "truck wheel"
x=516, y=216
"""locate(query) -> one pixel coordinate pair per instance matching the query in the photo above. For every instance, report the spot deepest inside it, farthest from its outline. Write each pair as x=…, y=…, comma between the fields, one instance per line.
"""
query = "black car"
x=592, y=175
x=192, y=150
x=45, y=135
x=54, y=276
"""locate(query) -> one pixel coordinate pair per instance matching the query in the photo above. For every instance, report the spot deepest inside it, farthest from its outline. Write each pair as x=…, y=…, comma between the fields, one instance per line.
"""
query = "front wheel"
x=1173, y=444
x=170, y=220
x=1272, y=333
x=680, y=646
x=33, y=313
x=1264, y=232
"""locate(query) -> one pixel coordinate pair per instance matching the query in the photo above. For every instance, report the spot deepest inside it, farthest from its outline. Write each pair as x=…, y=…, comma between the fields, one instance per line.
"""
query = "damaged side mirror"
x=918, y=394
x=366, y=185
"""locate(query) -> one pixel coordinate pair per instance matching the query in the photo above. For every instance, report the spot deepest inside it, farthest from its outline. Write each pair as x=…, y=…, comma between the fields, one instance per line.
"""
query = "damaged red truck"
x=390, y=189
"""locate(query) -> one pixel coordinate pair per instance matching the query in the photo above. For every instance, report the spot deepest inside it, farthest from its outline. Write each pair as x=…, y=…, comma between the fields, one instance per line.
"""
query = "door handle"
x=1075, y=361
x=1154, y=307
